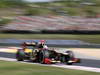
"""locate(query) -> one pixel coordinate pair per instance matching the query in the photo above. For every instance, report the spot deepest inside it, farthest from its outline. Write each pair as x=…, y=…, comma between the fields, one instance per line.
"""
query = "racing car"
x=29, y=51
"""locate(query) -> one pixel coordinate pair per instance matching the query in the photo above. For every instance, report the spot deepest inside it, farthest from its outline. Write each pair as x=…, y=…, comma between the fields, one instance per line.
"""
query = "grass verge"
x=86, y=38
x=8, y=68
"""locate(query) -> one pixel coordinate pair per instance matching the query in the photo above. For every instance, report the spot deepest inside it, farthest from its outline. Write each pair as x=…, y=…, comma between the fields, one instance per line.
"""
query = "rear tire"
x=20, y=55
x=41, y=57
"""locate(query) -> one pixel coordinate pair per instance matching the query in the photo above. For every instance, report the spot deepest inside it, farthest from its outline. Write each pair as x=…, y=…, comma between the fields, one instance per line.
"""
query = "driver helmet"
x=42, y=41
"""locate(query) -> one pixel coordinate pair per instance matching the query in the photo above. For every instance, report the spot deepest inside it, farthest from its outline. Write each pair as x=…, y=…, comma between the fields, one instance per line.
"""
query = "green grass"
x=86, y=38
x=14, y=68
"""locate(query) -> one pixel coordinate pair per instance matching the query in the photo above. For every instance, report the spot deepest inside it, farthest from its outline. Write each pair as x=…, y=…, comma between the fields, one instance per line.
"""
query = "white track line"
x=91, y=69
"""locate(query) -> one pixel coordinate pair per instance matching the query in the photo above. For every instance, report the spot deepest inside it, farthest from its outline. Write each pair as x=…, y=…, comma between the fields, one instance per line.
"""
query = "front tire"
x=70, y=54
x=69, y=57
x=69, y=63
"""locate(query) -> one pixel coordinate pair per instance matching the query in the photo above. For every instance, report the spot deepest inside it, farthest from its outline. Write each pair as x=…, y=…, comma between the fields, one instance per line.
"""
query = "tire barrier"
x=51, y=32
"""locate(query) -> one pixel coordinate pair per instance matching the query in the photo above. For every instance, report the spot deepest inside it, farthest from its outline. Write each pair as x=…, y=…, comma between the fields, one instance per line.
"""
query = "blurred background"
x=50, y=16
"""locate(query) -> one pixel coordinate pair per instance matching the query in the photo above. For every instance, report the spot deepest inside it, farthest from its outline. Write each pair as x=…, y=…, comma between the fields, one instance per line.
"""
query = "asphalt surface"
x=52, y=43
x=84, y=62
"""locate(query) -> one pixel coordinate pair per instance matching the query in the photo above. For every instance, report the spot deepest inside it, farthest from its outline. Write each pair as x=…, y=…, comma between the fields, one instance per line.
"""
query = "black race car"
x=45, y=56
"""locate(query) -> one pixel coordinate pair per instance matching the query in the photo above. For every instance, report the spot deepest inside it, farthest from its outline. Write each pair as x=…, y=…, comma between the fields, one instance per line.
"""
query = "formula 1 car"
x=45, y=56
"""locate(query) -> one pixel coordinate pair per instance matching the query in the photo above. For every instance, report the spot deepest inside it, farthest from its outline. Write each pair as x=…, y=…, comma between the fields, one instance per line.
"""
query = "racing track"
x=89, y=63
x=84, y=62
